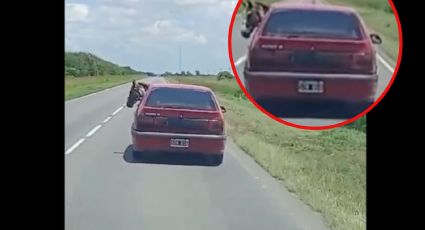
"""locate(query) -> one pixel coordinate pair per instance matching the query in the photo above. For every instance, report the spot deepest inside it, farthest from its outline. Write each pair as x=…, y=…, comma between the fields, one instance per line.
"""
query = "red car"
x=312, y=53
x=178, y=118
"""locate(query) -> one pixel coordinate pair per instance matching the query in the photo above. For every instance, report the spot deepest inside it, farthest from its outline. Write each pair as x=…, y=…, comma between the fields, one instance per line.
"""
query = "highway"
x=107, y=187
x=239, y=51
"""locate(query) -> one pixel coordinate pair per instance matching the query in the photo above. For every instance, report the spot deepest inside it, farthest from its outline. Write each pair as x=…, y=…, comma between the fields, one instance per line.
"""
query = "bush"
x=224, y=75
x=388, y=9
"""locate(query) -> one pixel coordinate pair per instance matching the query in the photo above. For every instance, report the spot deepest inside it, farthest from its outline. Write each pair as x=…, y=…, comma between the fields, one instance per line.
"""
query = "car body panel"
x=277, y=64
x=154, y=127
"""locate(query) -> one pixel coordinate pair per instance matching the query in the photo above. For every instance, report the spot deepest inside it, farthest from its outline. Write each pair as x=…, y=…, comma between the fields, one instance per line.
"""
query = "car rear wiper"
x=293, y=36
x=170, y=106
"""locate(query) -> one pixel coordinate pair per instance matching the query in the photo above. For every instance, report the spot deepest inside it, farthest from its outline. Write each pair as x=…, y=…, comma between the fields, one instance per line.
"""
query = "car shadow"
x=332, y=110
x=130, y=156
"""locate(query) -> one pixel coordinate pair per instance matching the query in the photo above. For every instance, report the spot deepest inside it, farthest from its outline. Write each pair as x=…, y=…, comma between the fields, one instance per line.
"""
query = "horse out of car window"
x=137, y=91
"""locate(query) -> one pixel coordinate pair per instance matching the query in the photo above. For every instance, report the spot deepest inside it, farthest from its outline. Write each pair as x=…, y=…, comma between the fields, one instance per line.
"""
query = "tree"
x=167, y=74
x=224, y=75
x=197, y=73
x=88, y=64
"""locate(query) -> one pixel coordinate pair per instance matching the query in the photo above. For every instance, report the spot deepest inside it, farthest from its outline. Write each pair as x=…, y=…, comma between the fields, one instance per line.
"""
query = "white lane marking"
x=74, y=146
x=240, y=60
x=91, y=132
x=116, y=111
x=382, y=60
x=107, y=119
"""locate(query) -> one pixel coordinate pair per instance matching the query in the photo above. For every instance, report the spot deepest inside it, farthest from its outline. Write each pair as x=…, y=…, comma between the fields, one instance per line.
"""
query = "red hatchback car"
x=314, y=54
x=178, y=118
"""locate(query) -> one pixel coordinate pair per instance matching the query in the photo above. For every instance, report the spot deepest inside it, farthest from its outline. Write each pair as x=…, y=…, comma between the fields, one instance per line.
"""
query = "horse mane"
x=264, y=6
x=252, y=5
x=144, y=85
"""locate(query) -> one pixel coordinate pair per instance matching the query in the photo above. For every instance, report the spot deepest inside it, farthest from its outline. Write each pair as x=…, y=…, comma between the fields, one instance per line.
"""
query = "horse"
x=254, y=12
x=137, y=91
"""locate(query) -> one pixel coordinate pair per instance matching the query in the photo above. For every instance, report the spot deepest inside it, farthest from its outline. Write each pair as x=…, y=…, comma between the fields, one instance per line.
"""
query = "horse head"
x=137, y=91
x=253, y=16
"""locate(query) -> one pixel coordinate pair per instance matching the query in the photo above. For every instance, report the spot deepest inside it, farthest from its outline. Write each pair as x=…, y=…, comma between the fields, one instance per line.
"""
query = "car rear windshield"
x=181, y=98
x=310, y=23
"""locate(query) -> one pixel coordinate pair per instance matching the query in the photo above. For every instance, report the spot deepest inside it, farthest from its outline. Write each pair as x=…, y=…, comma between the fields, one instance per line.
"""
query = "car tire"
x=361, y=106
x=215, y=160
x=353, y=109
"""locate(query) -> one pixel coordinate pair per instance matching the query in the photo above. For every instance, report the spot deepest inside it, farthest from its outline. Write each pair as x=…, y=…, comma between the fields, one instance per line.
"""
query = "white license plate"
x=310, y=86
x=179, y=143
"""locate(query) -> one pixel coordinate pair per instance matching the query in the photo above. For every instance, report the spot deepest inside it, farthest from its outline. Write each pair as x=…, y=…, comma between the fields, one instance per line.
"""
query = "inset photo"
x=315, y=64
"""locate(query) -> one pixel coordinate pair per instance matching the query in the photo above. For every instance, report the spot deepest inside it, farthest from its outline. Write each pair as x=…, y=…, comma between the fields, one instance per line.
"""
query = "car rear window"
x=181, y=98
x=310, y=23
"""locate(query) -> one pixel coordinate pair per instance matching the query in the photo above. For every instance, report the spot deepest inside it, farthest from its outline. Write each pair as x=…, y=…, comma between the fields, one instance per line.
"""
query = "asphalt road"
x=109, y=188
x=239, y=51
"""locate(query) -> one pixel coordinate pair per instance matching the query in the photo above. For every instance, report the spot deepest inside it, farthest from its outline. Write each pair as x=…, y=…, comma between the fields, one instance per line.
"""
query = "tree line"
x=80, y=64
x=220, y=75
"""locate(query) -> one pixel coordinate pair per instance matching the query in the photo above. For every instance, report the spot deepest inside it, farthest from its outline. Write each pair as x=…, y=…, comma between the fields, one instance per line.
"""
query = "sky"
x=146, y=34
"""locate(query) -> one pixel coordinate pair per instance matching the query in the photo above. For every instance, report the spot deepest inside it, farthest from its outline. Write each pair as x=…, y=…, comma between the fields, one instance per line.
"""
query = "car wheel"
x=353, y=109
x=215, y=160
x=361, y=106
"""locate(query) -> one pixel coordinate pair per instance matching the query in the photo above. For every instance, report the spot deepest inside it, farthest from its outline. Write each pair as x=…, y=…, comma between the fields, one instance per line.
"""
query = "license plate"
x=179, y=143
x=310, y=86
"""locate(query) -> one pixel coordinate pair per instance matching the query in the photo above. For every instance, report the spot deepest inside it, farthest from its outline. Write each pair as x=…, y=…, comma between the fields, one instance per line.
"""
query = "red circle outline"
x=348, y=121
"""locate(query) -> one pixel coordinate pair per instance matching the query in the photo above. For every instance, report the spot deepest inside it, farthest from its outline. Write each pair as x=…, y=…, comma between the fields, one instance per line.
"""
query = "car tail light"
x=147, y=121
x=363, y=61
x=216, y=126
x=144, y=122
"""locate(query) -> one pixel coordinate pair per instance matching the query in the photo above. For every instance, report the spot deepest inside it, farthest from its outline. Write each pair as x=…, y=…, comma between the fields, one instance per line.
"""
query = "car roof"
x=316, y=7
x=180, y=86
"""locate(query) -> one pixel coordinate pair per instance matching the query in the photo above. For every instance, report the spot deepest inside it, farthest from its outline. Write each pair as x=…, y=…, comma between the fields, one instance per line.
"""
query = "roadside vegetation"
x=81, y=64
x=80, y=86
x=326, y=169
x=86, y=73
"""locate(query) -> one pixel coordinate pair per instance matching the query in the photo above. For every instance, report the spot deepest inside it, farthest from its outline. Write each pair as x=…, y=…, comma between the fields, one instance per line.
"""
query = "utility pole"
x=180, y=57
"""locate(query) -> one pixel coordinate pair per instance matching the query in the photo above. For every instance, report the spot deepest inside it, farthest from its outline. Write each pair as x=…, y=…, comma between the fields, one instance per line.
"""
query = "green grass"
x=327, y=169
x=80, y=86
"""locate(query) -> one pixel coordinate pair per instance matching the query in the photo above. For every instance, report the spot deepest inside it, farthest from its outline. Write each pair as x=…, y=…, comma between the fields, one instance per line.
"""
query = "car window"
x=328, y=24
x=181, y=98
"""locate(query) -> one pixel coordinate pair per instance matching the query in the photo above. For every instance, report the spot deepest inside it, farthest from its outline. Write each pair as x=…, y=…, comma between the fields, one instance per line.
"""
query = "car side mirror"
x=223, y=109
x=376, y=39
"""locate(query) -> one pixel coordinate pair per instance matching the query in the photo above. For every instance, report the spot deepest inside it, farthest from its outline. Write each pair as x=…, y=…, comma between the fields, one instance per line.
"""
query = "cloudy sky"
x=147, y=34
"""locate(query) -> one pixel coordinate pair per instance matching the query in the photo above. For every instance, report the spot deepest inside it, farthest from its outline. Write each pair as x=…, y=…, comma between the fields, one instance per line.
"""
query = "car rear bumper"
x=198, y=143
x=351, y=88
